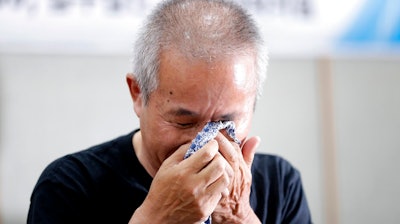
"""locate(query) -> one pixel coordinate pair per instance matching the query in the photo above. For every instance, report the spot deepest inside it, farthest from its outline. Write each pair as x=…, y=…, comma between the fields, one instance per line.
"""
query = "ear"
x=136, y=93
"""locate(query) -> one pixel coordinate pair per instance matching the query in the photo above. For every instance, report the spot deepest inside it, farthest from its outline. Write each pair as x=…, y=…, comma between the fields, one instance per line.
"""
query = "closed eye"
x=185, y=125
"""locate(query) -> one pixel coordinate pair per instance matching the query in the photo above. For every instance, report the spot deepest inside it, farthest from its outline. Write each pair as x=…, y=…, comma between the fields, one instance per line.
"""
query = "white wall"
x=367, y=100
x=287, y=120
x=51, y=105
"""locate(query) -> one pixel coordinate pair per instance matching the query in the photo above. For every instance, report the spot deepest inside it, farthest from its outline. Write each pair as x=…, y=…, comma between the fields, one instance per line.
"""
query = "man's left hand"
x=235, y=207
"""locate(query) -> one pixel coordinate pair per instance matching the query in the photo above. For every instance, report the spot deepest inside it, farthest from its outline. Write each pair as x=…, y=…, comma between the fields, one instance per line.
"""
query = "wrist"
x=244, y=214
x=248, y=216
x=143, y=214
x=138, y=217
x=251, y=218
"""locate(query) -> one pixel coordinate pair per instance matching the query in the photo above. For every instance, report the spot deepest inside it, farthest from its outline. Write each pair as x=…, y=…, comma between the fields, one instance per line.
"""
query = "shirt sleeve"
x=59, y=196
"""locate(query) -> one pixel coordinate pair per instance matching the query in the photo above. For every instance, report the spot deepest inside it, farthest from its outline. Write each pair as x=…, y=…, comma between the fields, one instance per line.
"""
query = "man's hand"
x=235, y=207
x=186, y=191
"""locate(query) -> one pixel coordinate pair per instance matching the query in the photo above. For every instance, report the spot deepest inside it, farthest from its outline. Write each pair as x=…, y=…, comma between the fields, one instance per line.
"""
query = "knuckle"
x=208, y=154
x=226, y=180
x=220, y=165
x=232, y=157
x=200, y=212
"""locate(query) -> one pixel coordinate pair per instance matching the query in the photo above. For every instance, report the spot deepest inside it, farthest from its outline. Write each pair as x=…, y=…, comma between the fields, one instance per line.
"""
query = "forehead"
x=215, y=89
x=236, y=71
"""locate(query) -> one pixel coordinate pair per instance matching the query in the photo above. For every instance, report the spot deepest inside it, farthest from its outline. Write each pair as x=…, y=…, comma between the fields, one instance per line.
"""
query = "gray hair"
x=198, y=29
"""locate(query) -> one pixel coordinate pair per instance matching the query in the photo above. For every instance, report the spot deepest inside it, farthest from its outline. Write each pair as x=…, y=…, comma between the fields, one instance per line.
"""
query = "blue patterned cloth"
x=209, y=132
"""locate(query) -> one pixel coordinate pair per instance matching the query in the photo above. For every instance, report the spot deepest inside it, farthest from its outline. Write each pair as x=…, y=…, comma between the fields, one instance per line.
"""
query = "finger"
x=230, y=150
x=177, y=156
x=202, y=157
x=215, y=169
x=249, y=148
x=220, y=187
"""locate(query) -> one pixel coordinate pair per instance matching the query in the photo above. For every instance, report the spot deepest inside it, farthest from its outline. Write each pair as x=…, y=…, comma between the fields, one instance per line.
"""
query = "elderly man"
x=197, y=63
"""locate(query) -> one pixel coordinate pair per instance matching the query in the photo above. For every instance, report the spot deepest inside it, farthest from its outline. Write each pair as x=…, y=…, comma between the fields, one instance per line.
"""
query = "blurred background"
x=331, y=104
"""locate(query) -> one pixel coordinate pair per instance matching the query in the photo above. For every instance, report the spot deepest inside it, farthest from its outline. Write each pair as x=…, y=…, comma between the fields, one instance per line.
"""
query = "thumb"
x=249, y=148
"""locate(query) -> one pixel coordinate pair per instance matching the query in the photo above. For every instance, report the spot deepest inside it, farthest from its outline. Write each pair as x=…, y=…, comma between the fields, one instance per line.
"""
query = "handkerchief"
x=209, y=132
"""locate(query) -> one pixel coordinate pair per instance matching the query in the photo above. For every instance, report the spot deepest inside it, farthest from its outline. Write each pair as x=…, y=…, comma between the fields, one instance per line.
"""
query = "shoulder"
x=273, y=165
x=84, y=165
x=276, y=177
x=277, y=189
x=92, y=185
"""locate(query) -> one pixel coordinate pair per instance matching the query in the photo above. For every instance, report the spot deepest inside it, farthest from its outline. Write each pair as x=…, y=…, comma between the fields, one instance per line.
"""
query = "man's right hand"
x=186, y=191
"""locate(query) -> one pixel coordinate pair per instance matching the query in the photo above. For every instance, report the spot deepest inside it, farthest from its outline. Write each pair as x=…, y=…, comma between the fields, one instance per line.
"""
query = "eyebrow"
x=185, y=112
x=182, y=112
x=228, y=117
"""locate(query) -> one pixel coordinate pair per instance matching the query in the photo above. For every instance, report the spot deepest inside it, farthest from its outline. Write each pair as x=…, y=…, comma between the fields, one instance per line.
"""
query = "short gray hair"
x=199, y=29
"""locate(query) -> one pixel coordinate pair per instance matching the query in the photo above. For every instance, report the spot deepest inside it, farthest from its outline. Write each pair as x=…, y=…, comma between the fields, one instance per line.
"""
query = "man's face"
x=190, y=94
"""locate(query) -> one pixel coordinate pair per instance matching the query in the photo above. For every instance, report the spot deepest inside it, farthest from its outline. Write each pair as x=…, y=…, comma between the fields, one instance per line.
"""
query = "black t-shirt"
x=106, y=183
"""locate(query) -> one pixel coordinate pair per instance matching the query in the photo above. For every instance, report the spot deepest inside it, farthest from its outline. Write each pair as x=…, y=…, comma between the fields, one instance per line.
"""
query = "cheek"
x=243, y=126
x=169, y=139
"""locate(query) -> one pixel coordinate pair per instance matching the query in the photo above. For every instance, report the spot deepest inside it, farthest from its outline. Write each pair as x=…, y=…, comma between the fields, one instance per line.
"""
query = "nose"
x=227, y=128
